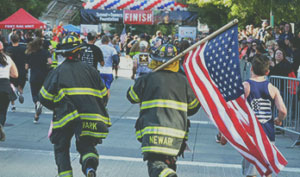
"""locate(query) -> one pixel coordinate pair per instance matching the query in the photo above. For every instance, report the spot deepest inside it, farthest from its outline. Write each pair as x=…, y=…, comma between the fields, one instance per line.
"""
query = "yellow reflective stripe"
x=193, y=104
x=138, y=134
x=95, y=117
x=66, y=174
x=46, y=94
x=133, y=53
x=164, y=104
x=84, y=157
x=162, y=131
x=166, y=172
x=163, y=150
x=133, y=95
x=94, y=134
x=70, y=40
x=80, y=91
x=69, y=117
x=186, y=136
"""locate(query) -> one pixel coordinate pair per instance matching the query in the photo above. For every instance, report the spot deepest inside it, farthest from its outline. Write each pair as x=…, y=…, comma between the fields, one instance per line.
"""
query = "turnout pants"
x=35, y=90
x=86, y=147
x=161, y=165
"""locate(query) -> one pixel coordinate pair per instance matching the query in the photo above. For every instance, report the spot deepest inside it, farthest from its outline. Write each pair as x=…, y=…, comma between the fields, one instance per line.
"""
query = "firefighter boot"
x=89, y=164
x=160, y=168
x=90, y=172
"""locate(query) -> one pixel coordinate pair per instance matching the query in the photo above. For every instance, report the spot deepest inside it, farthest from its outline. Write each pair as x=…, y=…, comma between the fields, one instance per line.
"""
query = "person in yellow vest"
x=135, y=49
x=52, y=48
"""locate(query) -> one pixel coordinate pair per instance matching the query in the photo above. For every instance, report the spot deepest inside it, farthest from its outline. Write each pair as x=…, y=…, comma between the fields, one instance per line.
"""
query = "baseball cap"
x=143, y=45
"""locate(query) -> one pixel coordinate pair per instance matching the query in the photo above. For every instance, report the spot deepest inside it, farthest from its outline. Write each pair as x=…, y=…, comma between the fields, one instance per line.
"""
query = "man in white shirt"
x=109, y=53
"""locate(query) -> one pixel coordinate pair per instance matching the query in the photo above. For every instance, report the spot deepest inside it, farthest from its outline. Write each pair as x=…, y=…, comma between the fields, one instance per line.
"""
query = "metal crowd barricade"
x=290, y=91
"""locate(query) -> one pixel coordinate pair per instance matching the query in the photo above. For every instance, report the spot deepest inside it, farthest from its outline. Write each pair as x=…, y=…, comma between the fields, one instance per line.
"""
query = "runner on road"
x=166, y=100
x=78, y=98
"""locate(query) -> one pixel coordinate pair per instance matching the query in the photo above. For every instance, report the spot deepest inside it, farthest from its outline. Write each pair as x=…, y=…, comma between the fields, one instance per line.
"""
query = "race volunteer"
x=166, y=100
x=78, y=97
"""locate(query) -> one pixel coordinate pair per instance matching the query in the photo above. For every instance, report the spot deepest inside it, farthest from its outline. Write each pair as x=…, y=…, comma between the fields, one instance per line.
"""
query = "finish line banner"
x=138, y=17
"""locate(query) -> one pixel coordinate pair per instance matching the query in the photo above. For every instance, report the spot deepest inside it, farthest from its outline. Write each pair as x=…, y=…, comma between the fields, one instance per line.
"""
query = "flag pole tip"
x=235, y=21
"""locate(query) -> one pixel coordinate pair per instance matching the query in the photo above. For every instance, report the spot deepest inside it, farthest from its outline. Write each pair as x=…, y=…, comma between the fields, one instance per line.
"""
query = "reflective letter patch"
x=89, y=125
x=161, y=140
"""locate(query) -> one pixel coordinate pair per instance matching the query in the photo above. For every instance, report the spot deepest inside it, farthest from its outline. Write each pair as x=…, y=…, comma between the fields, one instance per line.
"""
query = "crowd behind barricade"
x=282, y=48
x=279, y=44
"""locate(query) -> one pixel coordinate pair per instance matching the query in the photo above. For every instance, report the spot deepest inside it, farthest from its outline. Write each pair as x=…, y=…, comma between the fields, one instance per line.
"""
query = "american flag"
x=214, y=74
x=123, y=35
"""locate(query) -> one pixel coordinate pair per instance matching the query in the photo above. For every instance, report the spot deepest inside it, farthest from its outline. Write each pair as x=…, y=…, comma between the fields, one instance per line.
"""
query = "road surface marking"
x=26, y=110
x=132, y=159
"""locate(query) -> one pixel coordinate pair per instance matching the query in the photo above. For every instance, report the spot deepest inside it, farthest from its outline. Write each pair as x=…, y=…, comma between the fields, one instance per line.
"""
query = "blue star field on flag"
x=222, y=60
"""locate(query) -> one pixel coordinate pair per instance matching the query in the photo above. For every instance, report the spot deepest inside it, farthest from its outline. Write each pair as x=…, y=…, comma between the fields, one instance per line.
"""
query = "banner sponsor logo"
x=109, y=17
x=101, y=16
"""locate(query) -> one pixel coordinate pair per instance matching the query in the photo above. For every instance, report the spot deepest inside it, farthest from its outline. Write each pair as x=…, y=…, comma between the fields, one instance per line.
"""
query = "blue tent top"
x=71, y=28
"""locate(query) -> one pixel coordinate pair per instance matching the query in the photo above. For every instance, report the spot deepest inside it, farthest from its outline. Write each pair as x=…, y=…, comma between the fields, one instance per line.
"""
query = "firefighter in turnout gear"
x=141, y=61
x=78, y=98
x=166, y=100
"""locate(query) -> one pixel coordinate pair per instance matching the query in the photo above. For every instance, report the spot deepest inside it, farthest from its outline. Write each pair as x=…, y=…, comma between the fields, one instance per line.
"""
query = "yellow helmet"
x=69, y=46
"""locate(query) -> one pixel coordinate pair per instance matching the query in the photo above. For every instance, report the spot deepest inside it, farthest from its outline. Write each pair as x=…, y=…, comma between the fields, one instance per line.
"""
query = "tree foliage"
x=218, y=12
x=34, y=7
x=213, y=14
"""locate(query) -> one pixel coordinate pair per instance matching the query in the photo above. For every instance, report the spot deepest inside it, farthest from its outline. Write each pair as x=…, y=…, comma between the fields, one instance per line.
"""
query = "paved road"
x=27, y=151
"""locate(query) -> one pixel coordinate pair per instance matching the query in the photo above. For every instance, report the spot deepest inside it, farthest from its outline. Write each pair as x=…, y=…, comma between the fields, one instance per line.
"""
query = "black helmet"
x=69, y=46
x=164, y=53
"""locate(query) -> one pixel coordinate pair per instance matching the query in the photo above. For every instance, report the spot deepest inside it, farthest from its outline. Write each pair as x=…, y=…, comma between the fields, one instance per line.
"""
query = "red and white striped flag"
x=214, y=74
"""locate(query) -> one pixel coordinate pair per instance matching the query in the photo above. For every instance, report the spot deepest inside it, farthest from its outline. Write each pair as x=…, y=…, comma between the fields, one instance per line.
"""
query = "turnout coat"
x=76, y=94
x=166, y=100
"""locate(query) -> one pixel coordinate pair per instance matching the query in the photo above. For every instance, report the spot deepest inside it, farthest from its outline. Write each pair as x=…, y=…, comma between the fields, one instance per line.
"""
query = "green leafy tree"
x=34, y=7
x=256, y=10
x=216, y=13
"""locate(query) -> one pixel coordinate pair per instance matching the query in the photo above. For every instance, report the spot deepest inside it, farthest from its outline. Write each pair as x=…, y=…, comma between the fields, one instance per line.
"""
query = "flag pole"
x=209, y=37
